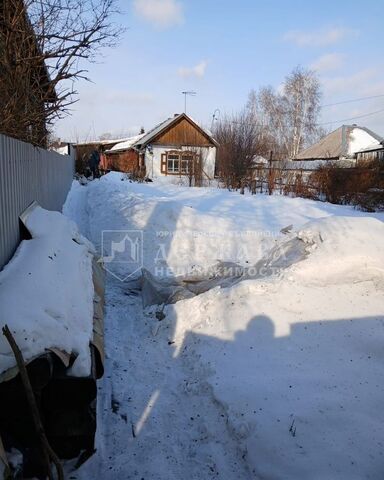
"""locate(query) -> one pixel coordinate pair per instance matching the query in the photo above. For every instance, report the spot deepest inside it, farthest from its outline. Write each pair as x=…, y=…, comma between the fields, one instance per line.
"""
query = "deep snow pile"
x=279, y=376
x=46, y=294
x=297, y=360
x=190, y=229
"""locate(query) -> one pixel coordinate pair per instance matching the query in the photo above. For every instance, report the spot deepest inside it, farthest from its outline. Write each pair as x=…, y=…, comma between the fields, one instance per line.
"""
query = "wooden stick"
x=4, y=460
x=48, y=453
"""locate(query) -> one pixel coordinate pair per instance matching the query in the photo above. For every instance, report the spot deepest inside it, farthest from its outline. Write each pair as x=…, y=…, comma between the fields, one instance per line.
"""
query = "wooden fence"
x=313, y=182
x=28, y=173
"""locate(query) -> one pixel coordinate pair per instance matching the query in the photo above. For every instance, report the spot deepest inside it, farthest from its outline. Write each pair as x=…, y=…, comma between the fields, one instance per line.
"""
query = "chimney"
x=175, y=115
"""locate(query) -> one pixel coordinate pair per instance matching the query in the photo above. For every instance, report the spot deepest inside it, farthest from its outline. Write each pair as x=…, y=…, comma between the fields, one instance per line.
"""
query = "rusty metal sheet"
x=98, y=313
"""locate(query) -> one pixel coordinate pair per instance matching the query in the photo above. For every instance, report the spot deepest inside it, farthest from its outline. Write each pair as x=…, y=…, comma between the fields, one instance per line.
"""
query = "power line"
x=352, y=118
x=316, y=124
x=352, y=100
x=331, y=105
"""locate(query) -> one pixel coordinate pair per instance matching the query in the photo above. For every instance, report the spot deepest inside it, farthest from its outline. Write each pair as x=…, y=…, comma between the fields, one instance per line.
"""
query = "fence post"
x=270, y=185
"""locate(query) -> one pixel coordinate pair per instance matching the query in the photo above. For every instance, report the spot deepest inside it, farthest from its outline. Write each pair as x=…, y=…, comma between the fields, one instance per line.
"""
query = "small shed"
x=84, y=150
x=123, y=157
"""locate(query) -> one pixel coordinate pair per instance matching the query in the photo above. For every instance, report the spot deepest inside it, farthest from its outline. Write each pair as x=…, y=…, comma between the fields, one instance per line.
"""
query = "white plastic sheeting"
x=170, y=290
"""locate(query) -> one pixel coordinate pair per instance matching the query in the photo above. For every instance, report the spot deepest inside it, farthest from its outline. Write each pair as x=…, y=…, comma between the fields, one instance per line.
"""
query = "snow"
x=304, y=348
x=61, y=150
x=46, y=294
x=275, y=377
x=127, y=144
x=315, y=164
x=360, y=139
x=371, y=147
x=259, y=159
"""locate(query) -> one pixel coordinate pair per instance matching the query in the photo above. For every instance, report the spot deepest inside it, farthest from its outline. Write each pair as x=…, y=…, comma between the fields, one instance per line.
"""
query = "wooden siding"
x=371, y=155
x=183, y=133
x=84, y=150
x=125, y=161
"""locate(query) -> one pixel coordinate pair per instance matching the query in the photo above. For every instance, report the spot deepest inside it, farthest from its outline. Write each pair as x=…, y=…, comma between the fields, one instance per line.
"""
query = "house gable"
x=178, y=131
x=183, y=132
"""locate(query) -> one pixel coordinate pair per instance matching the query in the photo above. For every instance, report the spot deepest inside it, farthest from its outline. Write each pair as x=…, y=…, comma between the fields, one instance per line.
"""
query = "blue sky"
x=222, y=49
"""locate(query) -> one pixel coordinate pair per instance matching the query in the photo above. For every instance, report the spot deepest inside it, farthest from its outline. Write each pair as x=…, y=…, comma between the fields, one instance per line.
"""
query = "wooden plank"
x=183, y=133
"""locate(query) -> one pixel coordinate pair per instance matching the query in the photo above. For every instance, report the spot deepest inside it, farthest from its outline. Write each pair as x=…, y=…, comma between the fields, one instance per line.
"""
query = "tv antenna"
x=191, y=93
x=215, y=116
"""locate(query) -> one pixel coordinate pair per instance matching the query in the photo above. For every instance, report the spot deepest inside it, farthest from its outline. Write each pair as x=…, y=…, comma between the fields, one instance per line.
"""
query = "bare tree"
x=45, y=44
x=195, y=166
x=291, y=116
x=239, y=137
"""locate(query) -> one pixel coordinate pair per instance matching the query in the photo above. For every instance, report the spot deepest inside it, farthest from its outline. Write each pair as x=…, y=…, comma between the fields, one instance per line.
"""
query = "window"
x=173, y=163
x=186, y=163
x=179, y=163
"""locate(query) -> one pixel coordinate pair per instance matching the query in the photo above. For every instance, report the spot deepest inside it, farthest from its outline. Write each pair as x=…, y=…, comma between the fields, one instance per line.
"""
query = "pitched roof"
x=106, y=142
x=372, y=148
x=126, y=144
x=333, y=145
x=161, y=127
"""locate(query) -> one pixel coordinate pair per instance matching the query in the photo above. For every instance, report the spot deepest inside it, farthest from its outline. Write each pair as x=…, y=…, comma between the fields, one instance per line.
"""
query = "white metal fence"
x=28, y=173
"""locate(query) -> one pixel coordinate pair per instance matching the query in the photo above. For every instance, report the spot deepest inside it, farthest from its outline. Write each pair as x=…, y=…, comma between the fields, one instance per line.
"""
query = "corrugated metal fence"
x=28, y=173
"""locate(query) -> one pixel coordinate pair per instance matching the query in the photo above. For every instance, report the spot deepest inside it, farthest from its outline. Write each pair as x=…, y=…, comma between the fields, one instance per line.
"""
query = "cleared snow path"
x=274, y=378
x=157, y=417
x=152, y=425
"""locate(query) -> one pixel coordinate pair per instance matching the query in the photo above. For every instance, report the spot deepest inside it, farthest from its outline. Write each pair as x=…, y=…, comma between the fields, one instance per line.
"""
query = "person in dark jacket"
x=93, y=162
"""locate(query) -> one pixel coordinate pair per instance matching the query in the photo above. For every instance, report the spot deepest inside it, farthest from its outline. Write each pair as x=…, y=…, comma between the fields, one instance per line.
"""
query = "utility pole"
x=190, y=93
x=214, y=117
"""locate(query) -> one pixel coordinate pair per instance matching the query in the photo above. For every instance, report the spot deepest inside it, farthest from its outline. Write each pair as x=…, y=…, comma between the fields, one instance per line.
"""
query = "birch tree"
x=291, y=114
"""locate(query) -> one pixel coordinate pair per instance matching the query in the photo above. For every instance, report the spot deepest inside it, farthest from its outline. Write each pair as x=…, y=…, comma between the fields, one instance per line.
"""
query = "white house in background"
x=174, y=148
x=342, y=144
x=373, y=152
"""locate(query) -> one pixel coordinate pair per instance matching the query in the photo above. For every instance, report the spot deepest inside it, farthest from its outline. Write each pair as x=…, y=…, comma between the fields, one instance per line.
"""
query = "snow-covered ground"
x=277, y=377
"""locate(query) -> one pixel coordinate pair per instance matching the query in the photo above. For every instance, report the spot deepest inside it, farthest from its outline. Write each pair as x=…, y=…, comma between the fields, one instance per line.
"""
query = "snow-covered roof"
x=140, y=141
x=126, y=144
x=373, y=147
x=103, y=142
x=257, y=159
x=61, y=150
x=342, y=142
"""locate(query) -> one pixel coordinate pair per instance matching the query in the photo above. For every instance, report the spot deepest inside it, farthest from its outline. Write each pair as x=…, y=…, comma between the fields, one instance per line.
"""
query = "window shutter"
x=163, y=168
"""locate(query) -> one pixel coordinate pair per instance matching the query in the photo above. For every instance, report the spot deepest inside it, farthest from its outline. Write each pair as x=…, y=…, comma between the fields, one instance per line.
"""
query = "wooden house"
x=341, y=144
x=176, y=147
x=372, y=152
